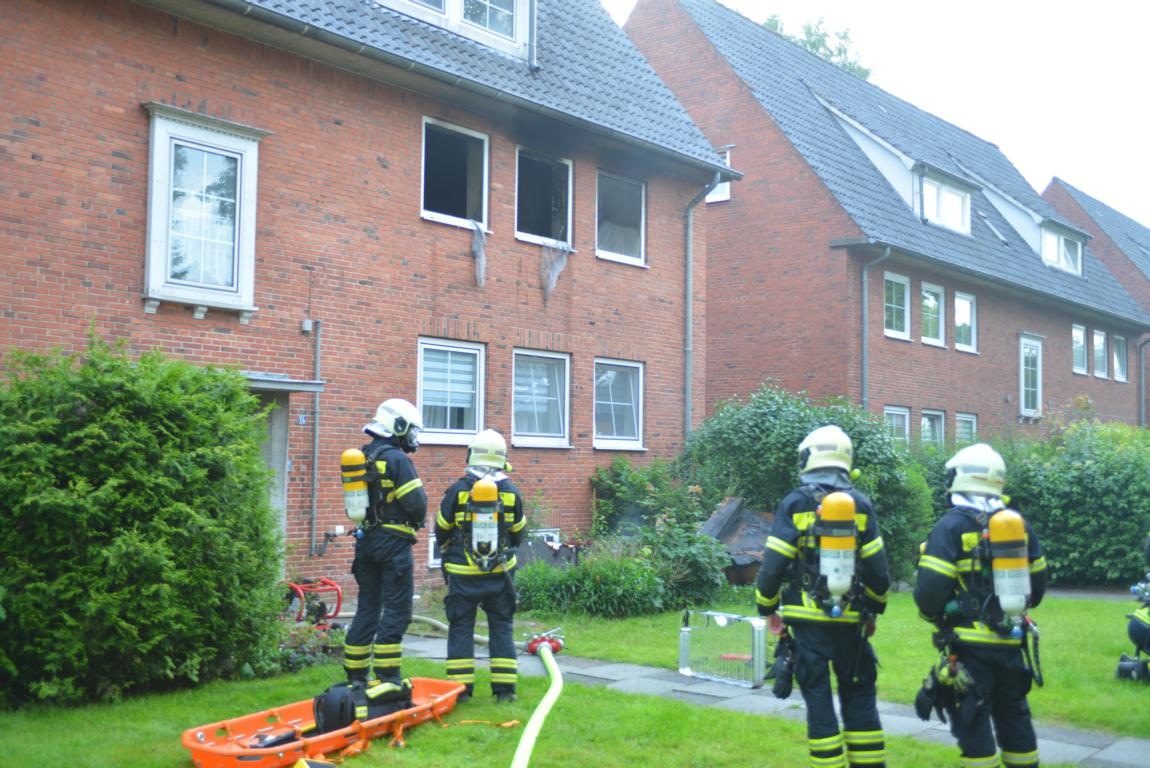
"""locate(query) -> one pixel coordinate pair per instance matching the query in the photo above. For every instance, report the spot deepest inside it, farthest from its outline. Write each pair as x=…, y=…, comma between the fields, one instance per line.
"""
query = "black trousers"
x=1001, y=682
x=494, y=593
x=840, y=648
x=384, y=570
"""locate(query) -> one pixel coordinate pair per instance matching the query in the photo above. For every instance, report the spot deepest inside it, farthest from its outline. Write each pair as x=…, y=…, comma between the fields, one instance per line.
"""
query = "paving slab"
x=1123, y=752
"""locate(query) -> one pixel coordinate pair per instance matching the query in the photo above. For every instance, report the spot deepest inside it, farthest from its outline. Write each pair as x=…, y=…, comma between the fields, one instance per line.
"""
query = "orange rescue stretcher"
x=279, y=737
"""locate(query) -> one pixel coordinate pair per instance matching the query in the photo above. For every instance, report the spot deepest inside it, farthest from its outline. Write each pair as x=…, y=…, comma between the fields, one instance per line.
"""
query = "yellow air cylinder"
x=837, y=542
x=353, y=470
x=1008, y=561
x=484, y=513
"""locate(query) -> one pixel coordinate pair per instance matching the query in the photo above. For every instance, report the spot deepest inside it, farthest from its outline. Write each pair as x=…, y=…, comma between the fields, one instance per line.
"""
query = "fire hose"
x=544, y=645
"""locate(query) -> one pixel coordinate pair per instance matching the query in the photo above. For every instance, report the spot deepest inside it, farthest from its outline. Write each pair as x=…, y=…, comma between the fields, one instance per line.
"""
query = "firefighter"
x=983, y=636
x=828, y=599
x=1137, y=667
x=480, y=523
x=384, y=564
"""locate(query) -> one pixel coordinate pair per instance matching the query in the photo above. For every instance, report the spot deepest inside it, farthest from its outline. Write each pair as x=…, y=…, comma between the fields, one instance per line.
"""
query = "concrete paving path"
x=1055, y=744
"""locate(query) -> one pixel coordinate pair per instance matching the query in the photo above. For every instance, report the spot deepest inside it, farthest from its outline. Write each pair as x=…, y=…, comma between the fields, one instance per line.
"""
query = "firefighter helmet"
x=397, y=417
x=487, y=449
x=827, y=446
x=976, y=469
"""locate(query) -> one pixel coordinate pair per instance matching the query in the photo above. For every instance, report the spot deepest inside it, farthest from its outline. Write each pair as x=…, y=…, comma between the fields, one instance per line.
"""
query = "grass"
x=596, y=726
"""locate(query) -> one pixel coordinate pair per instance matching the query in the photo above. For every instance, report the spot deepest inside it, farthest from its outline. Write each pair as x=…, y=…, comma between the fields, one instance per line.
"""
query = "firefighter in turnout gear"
x=1137, y=667
x=384, y=565
x=825, y=571
x=480, y=523
x=980, y=569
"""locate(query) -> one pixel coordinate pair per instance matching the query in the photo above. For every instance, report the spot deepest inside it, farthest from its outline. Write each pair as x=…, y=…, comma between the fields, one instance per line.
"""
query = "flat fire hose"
x=544, y=646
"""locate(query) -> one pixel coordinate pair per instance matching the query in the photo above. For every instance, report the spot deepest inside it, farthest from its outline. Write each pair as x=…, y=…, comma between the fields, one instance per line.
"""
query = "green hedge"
x=140, y=548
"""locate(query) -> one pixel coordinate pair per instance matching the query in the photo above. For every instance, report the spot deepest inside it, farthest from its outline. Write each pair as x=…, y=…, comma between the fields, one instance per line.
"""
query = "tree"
x=817, y=40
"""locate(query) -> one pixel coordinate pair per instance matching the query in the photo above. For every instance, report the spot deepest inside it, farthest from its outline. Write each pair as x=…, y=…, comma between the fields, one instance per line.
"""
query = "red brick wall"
x=339, y=240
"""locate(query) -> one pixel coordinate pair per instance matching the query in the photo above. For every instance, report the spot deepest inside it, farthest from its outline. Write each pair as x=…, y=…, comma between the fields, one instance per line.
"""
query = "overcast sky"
x=1061, y=87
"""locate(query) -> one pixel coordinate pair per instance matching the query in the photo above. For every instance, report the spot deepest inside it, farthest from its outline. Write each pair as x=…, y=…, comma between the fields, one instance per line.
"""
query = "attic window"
x=1061, y=251
x=499, y=24
x=945, y=205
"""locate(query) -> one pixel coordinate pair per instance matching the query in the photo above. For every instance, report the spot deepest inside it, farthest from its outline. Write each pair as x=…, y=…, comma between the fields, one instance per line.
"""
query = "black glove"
x=783, y=669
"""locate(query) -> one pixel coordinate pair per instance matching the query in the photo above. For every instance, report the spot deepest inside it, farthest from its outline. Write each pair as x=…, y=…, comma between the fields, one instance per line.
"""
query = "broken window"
x=454, y=174
x=543, y=194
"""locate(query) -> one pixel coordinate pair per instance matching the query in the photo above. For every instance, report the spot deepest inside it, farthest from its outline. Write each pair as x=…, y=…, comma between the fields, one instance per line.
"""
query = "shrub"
x=611, y=582
x=750, y=450
x=140, y=548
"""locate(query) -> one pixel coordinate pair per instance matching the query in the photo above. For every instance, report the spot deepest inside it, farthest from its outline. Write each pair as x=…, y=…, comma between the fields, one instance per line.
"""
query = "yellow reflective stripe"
x=783, y=548
x=871, y=547
x=462, y=498
x=766, y=602
x=965, y=565
x=874, y=595
x=803, y=520
x=1020, y=758
x=408, y=487
x=462, y=569
x=826, y=743
x=980, y=762
x=399, y=528
x=809, y=613
x=860, y=521
x=858, y=738
x=443, y=522
x=970, y=540
x=1038, y=565
x=507, y=498
x=517, y=527
x=980, y=634
x=1142, y=615
x=938, y=565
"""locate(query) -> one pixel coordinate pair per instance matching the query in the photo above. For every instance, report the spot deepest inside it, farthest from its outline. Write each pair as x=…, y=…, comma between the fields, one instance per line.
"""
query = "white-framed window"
x=897, y=422
x=621, y=216
x=965, y=322
x=500, y=24
x=618, y=404
x=539, y=408
x=896, y=306
x=202, y=182
x=1101, y=355
x=455, y=168
x=965, y=428
x=933, y=310
x=1030, y=375
x=932, y=429
x=1119, y=345
x=542, y=198
x=1062, y=251
x=722, y=191
x=1078, y=348
x=945, y=205
x=451, y=375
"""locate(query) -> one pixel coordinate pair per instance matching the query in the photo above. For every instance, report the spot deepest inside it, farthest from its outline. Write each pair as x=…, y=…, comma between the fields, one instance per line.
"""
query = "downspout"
x=533, y=36
x=689, y=306
x=864, y=379
x=318, y=326
x=1142, y=381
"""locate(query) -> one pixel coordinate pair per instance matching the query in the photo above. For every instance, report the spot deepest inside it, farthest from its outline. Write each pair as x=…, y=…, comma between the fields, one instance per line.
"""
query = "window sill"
x=621, y=259
x=526, y=442
x=453, y=221
x=199, y=308
x=620, y=445
x=967, y=350
x=896, y=336
x=547, y=242
x=934, y=343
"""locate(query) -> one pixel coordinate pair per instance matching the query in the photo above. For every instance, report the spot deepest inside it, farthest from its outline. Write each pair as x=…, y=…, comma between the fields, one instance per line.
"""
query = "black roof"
x=1132, y=238
x=802, y=92
x=588, y=71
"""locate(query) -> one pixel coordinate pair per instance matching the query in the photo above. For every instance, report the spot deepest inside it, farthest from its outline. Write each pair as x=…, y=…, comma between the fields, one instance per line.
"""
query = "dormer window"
x=500, y=24
x=945, y=204
x=1062, y=251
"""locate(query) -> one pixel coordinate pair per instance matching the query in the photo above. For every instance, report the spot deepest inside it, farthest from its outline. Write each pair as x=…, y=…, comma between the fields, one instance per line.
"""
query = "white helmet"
x=827, y=446
x=976, y=469
x=487, y=449
x=397, y=417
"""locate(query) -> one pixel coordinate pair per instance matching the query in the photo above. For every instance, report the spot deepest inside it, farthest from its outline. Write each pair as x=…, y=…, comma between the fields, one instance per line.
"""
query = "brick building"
x=355, y=200
x=876, y=252
x=1124, y=246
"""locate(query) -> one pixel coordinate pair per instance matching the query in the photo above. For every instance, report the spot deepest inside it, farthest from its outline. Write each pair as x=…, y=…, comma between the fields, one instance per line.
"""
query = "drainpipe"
x=689, y=313
x=1142, y=381
x=317, y=325
x=864, y=381
x=533, y=36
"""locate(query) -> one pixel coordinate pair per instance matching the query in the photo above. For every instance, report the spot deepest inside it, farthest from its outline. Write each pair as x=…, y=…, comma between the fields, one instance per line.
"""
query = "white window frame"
x=446, y=436
x=603, y=253
x=1118, y=344
x=939, y=419
x=1029, y=341
x=430, y=123
x=541, y=157
x=940, y=303
x=562, y=438
x=1099, y=347
x=610, y=442
x=171, y=127
x=1056, y=251
x=449, y=15
x=891, y=278
x=972, y=302
x=897, y=413
x=722, y=191
x=1079, y=359
x=935, y=194
x=965, y=418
